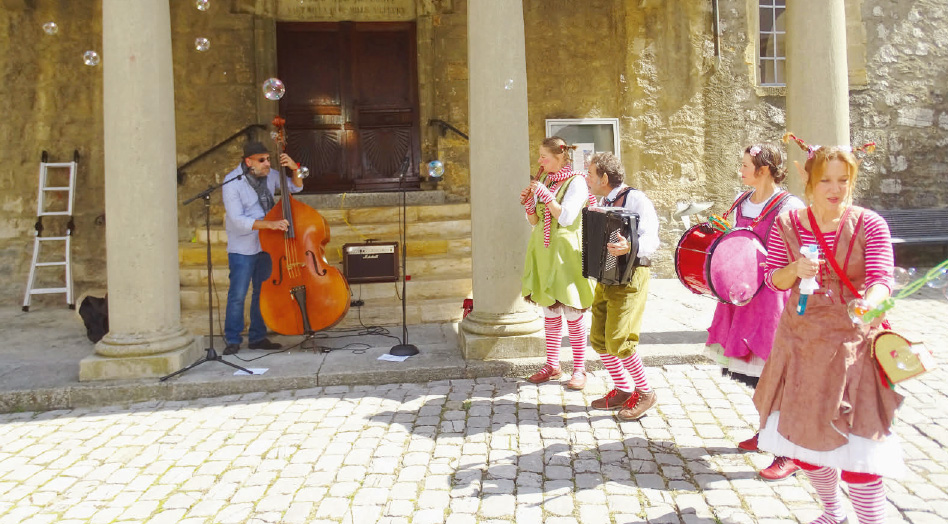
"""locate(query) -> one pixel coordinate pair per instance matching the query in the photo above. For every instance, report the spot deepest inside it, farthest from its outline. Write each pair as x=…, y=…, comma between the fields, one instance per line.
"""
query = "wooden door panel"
x=351, y=103
x=323, y=151
x=383, y=150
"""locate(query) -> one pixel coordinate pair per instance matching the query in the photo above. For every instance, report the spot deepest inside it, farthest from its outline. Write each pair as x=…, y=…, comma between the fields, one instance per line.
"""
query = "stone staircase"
x=438, y=264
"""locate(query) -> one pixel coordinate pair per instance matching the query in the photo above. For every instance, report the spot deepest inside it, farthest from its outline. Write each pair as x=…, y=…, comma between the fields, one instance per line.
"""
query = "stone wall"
x=905, y=108
x=50, y=101
x=685, y=114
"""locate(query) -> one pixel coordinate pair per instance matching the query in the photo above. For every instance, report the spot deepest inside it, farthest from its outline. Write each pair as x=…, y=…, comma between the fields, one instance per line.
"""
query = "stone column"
x=146, y=338
x=817, y=77
x=501, y=325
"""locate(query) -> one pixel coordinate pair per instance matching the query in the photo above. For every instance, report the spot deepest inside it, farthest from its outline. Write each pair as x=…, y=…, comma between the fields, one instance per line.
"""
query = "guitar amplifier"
x=372, y=262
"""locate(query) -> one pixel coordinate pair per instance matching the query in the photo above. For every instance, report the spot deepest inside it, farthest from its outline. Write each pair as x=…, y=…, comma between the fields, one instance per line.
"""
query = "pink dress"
x=740, y=337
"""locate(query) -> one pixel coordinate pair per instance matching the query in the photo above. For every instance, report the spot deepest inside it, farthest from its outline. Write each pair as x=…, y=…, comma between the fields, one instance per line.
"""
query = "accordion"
x=601, y=225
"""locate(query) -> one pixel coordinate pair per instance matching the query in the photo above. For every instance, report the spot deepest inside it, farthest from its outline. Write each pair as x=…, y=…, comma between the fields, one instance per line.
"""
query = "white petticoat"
x=859, y=455
x=751, y=368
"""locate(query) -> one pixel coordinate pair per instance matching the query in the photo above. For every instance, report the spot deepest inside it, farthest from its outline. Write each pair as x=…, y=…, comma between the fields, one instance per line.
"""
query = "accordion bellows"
x=601, y=226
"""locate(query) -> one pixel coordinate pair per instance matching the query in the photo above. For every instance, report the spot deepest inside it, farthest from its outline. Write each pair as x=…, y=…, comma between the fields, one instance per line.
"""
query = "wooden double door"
x=351, y=103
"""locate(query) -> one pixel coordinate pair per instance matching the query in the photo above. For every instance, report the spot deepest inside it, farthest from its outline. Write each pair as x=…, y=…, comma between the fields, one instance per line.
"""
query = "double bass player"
x=246, y=203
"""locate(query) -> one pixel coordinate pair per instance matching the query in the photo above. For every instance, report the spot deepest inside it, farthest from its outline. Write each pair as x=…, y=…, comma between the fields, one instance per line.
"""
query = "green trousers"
x=617, y=315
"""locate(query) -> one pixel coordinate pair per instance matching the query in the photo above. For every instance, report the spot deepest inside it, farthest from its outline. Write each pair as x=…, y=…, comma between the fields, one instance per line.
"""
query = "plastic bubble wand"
x=861, y=313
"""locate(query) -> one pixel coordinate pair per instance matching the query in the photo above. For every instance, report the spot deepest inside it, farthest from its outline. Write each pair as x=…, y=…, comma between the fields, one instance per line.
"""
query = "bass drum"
x=726, y=266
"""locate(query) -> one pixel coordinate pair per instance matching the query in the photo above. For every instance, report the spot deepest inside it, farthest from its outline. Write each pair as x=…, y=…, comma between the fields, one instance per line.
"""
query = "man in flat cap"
x=247, y=201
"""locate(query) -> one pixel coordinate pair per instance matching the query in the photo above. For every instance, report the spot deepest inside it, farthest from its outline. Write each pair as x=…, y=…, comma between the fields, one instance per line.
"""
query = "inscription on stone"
x=339, y=10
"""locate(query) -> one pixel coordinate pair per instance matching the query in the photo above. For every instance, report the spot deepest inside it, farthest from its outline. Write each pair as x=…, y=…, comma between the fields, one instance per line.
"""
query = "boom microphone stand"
x=211, y=355
x=404, y=349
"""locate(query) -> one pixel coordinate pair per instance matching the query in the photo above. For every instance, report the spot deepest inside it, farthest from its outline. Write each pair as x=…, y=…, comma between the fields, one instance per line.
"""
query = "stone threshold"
x=287, y=372
x=377, y=199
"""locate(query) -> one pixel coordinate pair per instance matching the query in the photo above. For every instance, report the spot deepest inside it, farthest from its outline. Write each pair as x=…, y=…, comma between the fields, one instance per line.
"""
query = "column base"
x=97, y=367
x=513, y=335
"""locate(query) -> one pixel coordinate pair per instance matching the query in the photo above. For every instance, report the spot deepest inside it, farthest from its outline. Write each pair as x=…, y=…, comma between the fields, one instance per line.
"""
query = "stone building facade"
x=686, y=106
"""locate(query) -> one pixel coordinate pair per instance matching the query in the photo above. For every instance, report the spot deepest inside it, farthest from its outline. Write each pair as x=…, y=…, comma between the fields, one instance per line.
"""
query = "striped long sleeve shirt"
x=878, y=255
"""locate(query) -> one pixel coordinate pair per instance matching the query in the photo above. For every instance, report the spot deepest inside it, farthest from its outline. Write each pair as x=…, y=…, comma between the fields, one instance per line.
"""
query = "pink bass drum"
x=726, y=266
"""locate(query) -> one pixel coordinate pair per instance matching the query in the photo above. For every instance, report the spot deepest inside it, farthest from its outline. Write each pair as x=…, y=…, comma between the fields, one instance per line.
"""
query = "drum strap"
x=740, y=200
x=775, y=203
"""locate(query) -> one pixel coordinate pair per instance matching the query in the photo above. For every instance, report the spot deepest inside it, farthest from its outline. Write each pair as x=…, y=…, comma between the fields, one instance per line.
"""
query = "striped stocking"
x=620, y=375
x=577, y=339
x=826, y=482
x=868, y=501
x=637, y=370
x=554, y=339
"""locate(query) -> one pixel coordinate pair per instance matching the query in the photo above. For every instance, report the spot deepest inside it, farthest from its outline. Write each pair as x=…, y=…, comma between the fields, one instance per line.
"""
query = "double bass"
x=303, y=293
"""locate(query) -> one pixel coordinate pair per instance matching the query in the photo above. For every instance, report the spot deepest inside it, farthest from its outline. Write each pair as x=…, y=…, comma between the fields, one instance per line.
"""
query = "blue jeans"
x=245, y=269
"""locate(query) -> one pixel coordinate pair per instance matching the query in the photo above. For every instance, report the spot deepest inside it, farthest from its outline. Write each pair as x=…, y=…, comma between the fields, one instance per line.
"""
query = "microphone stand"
x=211, y=355
x=404, y=349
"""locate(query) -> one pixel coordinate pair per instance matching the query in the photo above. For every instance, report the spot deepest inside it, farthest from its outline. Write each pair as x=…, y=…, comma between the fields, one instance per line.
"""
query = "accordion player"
x=600, y=227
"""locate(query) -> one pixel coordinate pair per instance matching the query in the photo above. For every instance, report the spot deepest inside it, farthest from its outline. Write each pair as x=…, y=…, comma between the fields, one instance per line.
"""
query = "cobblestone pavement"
x=459, y=451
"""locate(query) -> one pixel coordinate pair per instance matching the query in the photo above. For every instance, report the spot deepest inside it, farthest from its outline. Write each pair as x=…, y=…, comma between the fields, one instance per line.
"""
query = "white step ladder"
x=39, y=240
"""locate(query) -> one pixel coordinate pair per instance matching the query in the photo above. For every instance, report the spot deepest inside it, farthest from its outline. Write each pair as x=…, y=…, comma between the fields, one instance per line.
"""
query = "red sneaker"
x=781, y=468
x=546, y=373
x=749, y=444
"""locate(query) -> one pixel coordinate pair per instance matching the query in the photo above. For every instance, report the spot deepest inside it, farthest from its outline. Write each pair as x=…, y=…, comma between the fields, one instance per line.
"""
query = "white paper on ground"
x=256, y=371
x=393, y=358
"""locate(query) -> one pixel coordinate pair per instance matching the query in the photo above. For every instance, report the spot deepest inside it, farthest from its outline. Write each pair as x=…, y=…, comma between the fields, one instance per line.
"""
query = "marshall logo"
x=371, y=262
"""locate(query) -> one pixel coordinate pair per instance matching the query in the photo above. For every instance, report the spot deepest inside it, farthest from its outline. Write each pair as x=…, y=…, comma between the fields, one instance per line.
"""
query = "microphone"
x=403, y=169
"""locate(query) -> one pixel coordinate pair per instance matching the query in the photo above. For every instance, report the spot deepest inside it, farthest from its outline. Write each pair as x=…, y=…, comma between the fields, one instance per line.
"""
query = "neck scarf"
x=554, y=181
x=259, y=184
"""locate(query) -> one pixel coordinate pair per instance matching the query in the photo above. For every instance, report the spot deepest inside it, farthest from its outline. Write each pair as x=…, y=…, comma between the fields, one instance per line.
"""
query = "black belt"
x=642, y=262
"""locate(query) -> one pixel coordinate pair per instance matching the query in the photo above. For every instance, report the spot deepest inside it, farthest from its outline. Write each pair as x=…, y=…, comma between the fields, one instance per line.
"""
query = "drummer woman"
x=740, y=337
x=553, y=271
x=820, y=398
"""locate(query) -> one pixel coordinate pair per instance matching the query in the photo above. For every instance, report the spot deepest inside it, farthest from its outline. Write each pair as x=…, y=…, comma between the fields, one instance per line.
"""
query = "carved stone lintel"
x=331, y=10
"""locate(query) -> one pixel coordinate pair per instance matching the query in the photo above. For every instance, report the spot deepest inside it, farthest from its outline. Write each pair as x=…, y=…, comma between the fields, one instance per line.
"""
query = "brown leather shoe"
x=577, y=381
x=781, y=468
x=637, y=405
x=614, y=399
x=546, y=373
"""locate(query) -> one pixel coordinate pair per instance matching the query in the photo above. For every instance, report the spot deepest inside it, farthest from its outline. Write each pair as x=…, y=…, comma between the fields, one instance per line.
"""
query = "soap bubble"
x=202, y=5
x=939, y=280
x=90, y=58
x=740, y=293
x=903, y=277
x=303, y=172
x=858, y=307
x=50, y=28
x=202, y=44
x=508, y=85
x=435, y=169
x=273, y=89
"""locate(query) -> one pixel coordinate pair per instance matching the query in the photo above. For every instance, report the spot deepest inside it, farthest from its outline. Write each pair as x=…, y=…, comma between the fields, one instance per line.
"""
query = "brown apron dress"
x=820, y=376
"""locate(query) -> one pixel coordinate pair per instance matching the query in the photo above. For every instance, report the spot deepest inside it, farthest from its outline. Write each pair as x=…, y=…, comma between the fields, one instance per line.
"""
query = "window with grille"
x=773, y=41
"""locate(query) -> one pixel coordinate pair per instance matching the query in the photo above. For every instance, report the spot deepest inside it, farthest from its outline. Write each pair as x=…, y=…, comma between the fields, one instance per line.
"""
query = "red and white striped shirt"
x=878, y=255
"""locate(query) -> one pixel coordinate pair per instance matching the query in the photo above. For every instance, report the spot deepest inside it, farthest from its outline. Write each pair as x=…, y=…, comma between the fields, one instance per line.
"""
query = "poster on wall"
x=582, y=155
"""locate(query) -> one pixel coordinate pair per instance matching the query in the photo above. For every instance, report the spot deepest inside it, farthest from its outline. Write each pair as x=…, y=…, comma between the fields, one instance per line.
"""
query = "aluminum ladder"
x=39, y=240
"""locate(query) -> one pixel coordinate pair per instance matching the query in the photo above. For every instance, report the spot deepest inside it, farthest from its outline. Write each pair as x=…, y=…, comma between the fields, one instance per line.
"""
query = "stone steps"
x=438, y=265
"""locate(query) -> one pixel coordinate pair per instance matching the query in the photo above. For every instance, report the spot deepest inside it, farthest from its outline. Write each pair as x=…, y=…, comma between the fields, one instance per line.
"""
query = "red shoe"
x=577, y=381
x=781, y=468
x=546, y=373
x=749, y=444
